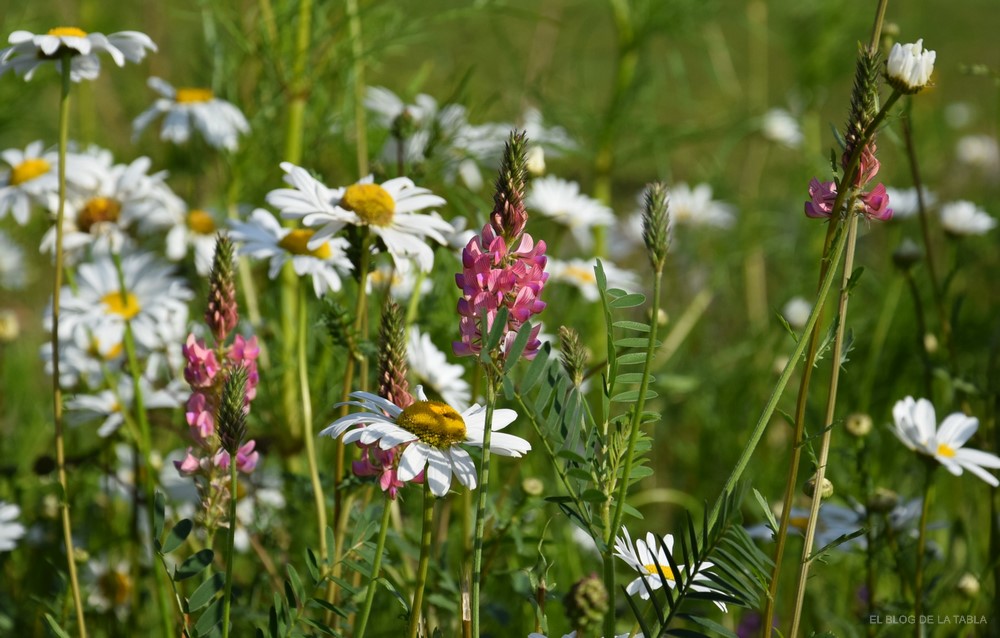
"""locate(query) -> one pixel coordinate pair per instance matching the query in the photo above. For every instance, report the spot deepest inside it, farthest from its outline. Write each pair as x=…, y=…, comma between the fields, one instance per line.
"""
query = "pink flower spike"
x=246, y=458
x=823, y=195
x=189, y=465
x=876, y=204
x=201, y=365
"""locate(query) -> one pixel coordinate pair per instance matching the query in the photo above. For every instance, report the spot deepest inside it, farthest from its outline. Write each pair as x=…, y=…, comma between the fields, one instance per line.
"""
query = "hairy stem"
x=230, y=546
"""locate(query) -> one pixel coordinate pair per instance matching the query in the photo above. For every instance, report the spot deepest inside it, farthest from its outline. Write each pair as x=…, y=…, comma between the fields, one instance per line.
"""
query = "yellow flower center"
x=113, y=352
x=28, y=170
x=201, y=222
x=434, y=423
x=191, y=95
x=71, y=32
x=296, y=242
x=126, y=308
x=945, y=450
x=667, y=572
x=798, y=522
x=580, y=275
x=97, y=210
x=372, y=203
x=116, y=587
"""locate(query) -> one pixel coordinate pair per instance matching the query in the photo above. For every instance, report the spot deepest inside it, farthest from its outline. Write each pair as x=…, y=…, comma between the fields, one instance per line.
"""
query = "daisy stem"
x=362, y=623
x=483, y=482
x=636, y=423
x=230, y=546
x=57, y=404
x=831, y=404
x=426, y=530
x=320, y=500
x=144, y=441
x=918, y=579
x=358, y=61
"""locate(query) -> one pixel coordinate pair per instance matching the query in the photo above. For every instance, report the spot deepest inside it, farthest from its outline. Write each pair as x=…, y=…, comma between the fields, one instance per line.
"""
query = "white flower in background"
x=958, y=115
x=400, y=281
x=111, y=586
x=389, y=211
x=433, y=433
x=778, y=125
x=579, y=273
x=909, y=67
x=460, y=233
x=87, y=355
x=645, y=556
x=12, y=264
x=552, y=138
x=256, y=511
x=561, y=201
x=964, y=218
x=696, y=207
x=28, y=51
x=916, y=426
x=431, y=369
x=386, y=106
x=10, y=530
x=186, y=108
x=155, y=301
x=262, y=237
x=905, y=203
x=978, y=151
x=834, y=521
x=110, y=406
x=31, y=179
x=197, y=231
x=796, y=312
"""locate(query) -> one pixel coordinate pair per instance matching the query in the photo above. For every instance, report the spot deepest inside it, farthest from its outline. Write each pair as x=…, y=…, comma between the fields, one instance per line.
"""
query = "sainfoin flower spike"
x=502, y=267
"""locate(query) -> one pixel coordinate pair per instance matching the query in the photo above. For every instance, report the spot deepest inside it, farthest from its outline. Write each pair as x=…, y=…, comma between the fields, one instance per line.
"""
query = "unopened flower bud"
x=222, y=313
x=930, y=343
x=573, y=355
x=907, y=254
x=882, y=500
x=536, y=160
x=968, y=585
x=858, y=424
x=909, y=67
x=586, y=603
x=233, y=409
x=533, y=486
x=825, y=492
x=10, y=327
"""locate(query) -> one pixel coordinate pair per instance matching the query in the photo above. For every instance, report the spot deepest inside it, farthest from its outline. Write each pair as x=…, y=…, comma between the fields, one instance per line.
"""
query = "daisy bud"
x=586, y=603
x=392, y=366
x=909, y=67
x=656, y=224
x=536, y=161
x=10, y=327
x=931, y=343
x=222, y=313
x=858, y=425
x=509, y=214
x=907, y=255
x=533, y=486
x=573, y=355
x=882, y=500
x=968, y=585
x=826, y=491
x=233, y=410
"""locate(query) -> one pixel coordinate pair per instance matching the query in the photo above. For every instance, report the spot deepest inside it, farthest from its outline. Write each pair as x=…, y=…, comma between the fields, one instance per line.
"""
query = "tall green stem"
x=362, y=623
x=426, y=531
x=231, y=537
x=358, y=60
x=918, y=580
x=307, y=420
x=483, y=482
x=57, y=406
x=831, y=404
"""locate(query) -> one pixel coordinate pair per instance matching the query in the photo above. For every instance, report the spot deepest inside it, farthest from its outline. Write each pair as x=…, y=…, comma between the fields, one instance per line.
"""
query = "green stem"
x=425, y=555
x=319, y=499
x=483, y=483
x=358, y=60
x=57, y=404
x=918, y=579
x=231, y=534
x=362, y=623
x=831, y=404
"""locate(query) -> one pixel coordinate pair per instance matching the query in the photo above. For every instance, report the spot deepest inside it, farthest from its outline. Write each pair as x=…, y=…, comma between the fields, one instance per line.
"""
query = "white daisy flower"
x=400, y=281
x=909, y=67
x=32, y=178
x=198, y=231
x=28, y=51
x=388, y=210
x=111, y=586
x=110, y=406
x=10, y=530
x=916, y=426
x=834, y=521
x=561, y=201
x=431, y=368
x=646, y=555
x=778, y=125
x=579, y=273
x=155, y=301
x=187, y=108
x=979, y=151
x=796, y=312
x=264, y=238
x=12, y=264
x=87, y=356
x=905, y=203
x=435, y=433
x=963, y=218
x=696, y=207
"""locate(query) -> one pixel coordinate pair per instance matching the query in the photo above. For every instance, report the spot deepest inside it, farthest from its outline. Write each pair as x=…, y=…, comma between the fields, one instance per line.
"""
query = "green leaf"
x=312, y=564
x=709, y=624
x=631, y=377
x=508, y=387
x=639, y=616
x=209, y=619
x=592, y=495
x=855, y=278
x=764, y=507
x=54, y=626
x=496, y=331
x=630, y=300
x=319, y=602
x=634, y=342
x=631, y=325
x=194, y=564
x=640, y=472
x=570, y=455
x=516, y=348
x=578, y=473
x=178, y=534
x=602, y=279
x=631, y=358
x=317, y=625
x=684, y=633
x=159, y=507
x=203, y=595
x=631, y=396
x=535, y=369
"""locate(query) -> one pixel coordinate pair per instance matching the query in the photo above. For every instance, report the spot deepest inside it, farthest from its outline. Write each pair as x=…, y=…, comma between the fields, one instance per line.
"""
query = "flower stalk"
x=918, y=578
x=483, y=481
x=366, y=609
x=425, y=553
x=307, y=420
